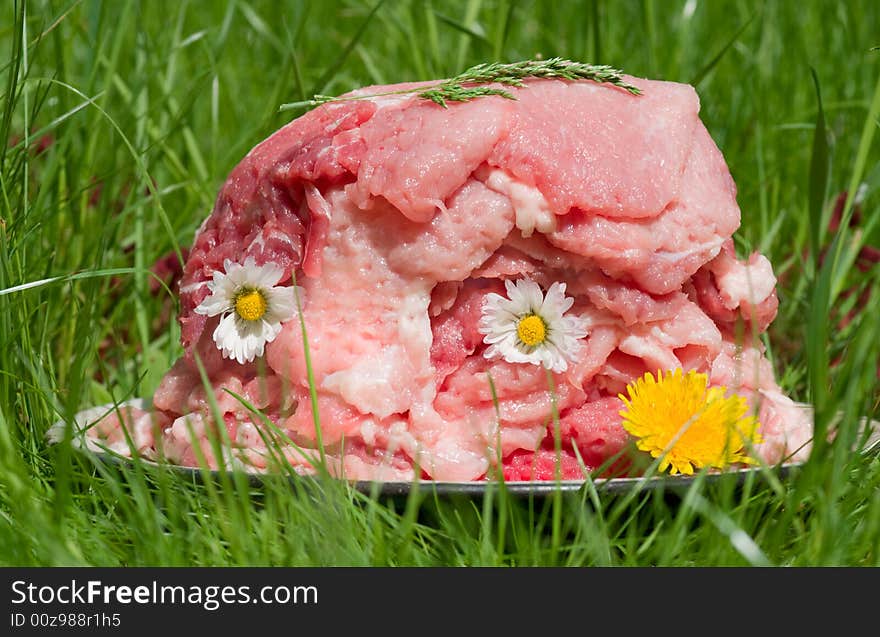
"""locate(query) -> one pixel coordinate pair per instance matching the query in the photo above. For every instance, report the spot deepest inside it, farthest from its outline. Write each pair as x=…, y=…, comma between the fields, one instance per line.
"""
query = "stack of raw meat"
x=397, y=217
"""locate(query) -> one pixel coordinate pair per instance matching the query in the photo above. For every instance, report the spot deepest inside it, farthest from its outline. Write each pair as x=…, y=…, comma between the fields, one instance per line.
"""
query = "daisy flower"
x=528, y=327
x=678, y=418
x=251, y=305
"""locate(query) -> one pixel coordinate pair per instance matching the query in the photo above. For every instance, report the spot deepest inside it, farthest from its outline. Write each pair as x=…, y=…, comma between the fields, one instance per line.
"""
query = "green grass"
x=148, y=106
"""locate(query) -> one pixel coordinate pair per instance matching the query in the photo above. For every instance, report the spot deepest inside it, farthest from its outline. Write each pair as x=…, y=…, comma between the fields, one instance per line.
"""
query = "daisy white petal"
x=238, y=275
x=532, y=296
x=556, y=303
x=212, y=305
x=217, y=281
x=282, y=303
x=531, y=327
x=226, y=335
x=251, y=307
x=574, y=327
x=497, y=336
x=513, y=292
x=268, y=276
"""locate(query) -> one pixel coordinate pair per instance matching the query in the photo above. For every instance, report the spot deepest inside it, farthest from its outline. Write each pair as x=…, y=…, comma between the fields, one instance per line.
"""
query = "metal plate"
x=475, y=489
x=428, y=487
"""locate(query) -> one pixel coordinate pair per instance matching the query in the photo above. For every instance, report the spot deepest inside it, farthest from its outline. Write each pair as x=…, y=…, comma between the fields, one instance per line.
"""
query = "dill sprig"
x=472, y=83
x=466, y=85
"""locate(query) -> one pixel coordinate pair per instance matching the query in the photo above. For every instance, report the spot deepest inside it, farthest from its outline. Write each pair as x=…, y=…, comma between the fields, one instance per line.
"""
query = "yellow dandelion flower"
x=678, y=418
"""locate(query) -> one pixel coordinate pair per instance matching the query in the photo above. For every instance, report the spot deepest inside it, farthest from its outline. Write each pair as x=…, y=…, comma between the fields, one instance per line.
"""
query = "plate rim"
x=518, y=488
x=477, y=488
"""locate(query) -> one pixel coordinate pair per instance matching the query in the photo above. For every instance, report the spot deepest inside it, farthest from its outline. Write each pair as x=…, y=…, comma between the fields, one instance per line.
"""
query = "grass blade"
x=703, y=72
x=818, y=186
x=461, y=28
x=328, y=75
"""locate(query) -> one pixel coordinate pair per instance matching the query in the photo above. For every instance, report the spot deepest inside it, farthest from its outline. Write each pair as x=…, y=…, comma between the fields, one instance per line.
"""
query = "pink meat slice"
x=416, y=157
x=257, y=212
x=575, y=142
x=661, y=252
x=397, y=217
x=371, y=343
x=730, y=290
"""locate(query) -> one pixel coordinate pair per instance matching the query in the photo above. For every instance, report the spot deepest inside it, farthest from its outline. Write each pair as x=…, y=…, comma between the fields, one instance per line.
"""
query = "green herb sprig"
x=472, y=83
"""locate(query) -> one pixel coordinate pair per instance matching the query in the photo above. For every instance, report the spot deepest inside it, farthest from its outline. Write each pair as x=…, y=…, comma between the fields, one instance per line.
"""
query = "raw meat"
x=396, y=217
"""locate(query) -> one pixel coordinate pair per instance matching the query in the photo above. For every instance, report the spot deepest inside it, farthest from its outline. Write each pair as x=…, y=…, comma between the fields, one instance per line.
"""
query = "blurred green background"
x=123, y=118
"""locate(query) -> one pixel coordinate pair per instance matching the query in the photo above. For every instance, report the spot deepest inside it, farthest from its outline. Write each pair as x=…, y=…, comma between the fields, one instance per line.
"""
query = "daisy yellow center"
x=250, y=305
x=679, y=419
x=531, y=330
